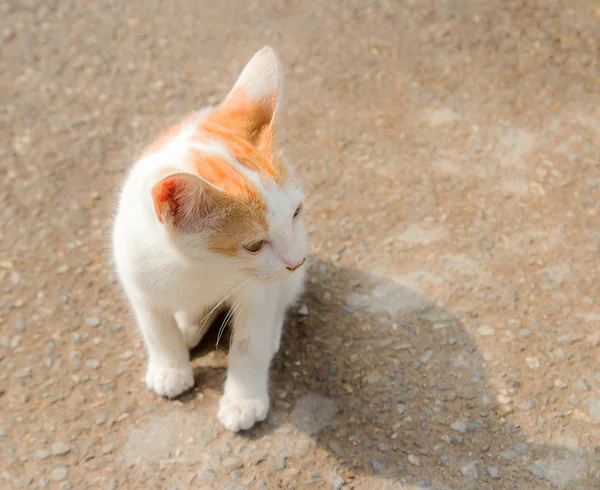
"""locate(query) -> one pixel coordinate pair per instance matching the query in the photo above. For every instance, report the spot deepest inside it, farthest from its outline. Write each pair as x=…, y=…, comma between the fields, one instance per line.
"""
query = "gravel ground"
x=449, y=336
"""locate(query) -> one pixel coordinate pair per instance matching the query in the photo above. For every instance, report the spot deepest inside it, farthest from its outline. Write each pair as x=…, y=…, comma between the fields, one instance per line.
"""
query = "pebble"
x=427, y=356
x=377, y=464
x=400, y=408
x=533, y=362
x=92, y=321
x=412, y=459
x=493, y=472
x=526, y=405
x=536, y=470
x=100, y=419
x=279, y=463
x=42, y=454
x=467, y=468
x=3, y=432
x=92, y=363
x=336, y=482
x=384, y=448
x=59, y=448
x=303, y=311
x=107, y=448
x=116, y=328
x=459, y=426
x=593, y=409
x=20, y=326
x=560, y=384
x=112, y=484
x=58, y=474
x=486, y=330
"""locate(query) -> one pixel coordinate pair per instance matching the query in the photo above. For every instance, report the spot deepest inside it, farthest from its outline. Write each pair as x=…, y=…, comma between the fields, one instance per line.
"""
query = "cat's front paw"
x=241, y=414
x=168, y=381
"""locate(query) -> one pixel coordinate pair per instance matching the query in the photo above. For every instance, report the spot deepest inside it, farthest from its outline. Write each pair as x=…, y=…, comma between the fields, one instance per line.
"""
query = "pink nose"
x=292, y=268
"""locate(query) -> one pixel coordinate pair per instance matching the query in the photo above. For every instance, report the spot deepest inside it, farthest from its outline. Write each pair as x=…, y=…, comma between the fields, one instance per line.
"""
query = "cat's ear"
x=251, y=105
x=180, y=198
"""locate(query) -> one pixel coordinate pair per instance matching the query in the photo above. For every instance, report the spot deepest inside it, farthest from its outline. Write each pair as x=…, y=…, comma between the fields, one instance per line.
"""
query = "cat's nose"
x=292, y=268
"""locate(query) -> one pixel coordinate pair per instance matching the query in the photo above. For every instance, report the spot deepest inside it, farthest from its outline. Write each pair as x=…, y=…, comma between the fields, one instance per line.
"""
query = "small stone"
x=122, y=417
x=510, y=455
x=533, y=362
x=279, y=463
x=468, y=468
x=522, y=448
x=384, y=448
x=486, y=330
x=42, y=454
x=15, y=341
x=92, y=321
x=92, y=364
x=526, y=405
x=20, y=326
x=536, y=470
x=525, y=333
x=400, y=408
x=65, y=486
x=485, y=244
x=113, y=484
x=3, y=432
x=426, y=357
x=58, y=474
x=593, y=409
x=303, y=311
x=336, y=482
x=116, y=328
x=412, y=459
x=100, y=419
x=107, y=448
x=59, y=448
x=493, y=472
x=377, y=464
x=560, y=384
x=459, y=426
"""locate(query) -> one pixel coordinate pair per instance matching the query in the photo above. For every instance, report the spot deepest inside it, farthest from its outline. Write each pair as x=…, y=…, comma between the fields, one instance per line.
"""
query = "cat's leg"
x=169, y=371
x=194, y=327
x=290, y=289
x=246, y=399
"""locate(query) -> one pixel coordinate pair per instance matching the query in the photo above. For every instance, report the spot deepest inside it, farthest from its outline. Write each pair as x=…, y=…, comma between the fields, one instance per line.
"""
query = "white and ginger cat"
x=211, y=216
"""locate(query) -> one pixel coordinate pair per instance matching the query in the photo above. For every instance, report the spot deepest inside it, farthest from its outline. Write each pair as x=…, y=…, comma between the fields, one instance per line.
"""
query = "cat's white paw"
x=241, y=414
x=169, y=382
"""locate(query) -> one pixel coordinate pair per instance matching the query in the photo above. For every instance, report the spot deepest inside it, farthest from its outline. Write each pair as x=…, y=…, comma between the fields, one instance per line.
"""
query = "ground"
x=449, y=335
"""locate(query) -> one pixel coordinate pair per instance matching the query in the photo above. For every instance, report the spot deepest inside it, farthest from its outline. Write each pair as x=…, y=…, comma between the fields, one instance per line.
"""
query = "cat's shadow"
x=386, y=382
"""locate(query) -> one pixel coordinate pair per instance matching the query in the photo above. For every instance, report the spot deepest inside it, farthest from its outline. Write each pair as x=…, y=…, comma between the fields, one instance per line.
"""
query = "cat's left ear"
x=252, y=104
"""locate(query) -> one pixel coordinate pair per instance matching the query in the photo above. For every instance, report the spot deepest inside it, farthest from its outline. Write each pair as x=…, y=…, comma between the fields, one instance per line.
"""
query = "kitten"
x=211, y=216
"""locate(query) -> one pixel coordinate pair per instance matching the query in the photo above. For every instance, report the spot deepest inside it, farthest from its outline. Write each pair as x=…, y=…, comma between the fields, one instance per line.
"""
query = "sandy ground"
x=449, y=336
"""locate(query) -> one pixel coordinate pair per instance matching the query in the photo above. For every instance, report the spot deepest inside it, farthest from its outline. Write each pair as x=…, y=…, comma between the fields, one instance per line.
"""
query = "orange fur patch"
x=246, y=128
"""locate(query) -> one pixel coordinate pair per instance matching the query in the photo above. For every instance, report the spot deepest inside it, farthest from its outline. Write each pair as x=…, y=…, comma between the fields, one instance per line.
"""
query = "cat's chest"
x=198, y=289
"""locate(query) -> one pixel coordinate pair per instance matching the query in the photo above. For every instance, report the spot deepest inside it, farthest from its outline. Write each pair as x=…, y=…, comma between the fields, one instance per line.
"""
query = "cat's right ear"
x=179, y=198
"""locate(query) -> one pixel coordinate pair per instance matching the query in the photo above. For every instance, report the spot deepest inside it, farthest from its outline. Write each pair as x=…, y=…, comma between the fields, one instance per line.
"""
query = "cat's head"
x=231, y=199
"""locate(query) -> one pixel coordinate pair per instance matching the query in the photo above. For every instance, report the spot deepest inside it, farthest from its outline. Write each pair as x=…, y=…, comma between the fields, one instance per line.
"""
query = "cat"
x=211, y=216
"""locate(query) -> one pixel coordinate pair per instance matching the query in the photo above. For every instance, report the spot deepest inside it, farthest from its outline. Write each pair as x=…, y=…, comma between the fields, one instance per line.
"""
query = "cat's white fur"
x=176, y=286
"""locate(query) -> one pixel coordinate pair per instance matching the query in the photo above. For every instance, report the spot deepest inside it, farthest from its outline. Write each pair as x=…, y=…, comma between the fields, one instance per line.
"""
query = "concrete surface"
x=450, y=336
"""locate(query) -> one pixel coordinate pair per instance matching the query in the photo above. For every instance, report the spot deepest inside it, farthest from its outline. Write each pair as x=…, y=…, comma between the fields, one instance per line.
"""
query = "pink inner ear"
x=163, y=195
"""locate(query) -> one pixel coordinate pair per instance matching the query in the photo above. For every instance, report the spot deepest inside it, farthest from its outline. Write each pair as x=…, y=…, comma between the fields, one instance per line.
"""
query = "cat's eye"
x=298, y=211
x=255, y=247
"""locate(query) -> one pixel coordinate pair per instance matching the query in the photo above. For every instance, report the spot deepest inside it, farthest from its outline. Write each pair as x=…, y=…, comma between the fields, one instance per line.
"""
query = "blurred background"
x=449, y=334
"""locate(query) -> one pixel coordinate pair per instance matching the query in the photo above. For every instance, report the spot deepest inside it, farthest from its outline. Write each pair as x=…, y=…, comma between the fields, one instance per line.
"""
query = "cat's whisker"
x=235, y=306
x=203, y=321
